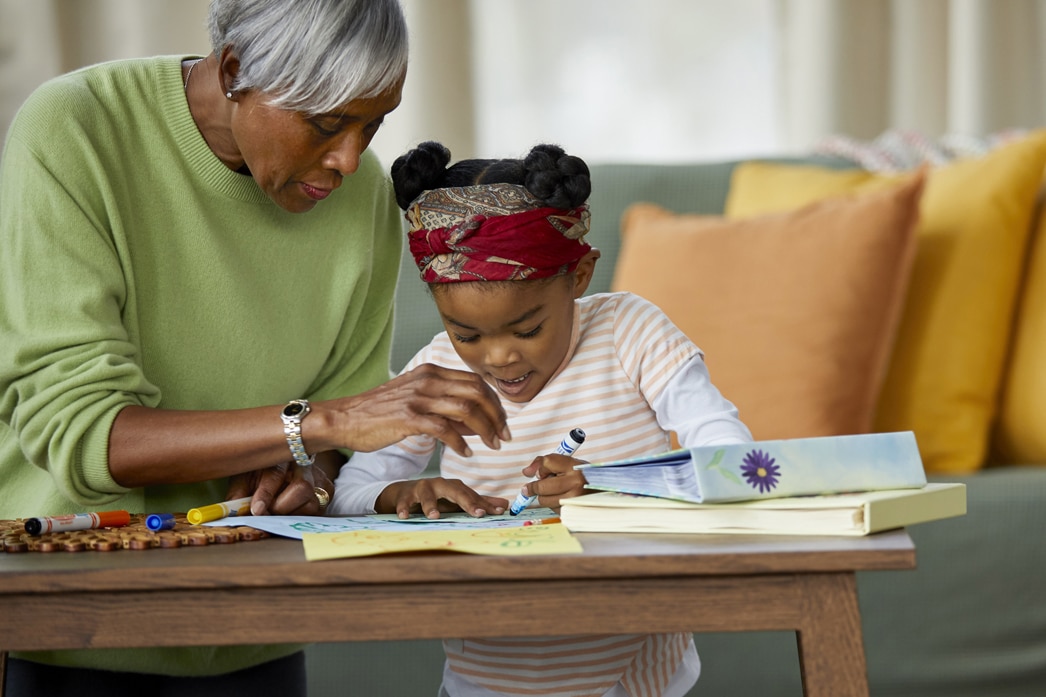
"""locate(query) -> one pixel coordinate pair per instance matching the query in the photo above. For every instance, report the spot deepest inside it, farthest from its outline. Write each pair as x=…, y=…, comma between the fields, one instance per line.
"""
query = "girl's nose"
x=501, y=353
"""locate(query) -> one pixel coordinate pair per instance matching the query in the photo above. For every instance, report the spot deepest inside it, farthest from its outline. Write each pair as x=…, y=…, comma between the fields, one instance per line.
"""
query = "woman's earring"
x=228, y=95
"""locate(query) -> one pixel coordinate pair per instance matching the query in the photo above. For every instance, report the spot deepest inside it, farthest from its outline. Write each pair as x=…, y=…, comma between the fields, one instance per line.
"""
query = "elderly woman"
x=196, y=287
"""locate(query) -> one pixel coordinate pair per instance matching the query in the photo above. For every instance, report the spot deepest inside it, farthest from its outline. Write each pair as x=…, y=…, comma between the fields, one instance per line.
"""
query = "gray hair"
x=312, y=55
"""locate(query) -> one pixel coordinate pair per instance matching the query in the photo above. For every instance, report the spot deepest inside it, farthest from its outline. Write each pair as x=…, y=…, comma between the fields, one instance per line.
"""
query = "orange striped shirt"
x=625, y=356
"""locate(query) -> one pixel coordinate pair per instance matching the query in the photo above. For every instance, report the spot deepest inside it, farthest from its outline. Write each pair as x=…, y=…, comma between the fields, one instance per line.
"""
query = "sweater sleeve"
x=692, y=407
x=670, y=371
x=363, y=478
x=67, y=366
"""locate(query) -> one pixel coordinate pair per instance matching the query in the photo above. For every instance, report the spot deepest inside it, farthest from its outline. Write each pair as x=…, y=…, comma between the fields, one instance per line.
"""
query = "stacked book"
x=836, y=485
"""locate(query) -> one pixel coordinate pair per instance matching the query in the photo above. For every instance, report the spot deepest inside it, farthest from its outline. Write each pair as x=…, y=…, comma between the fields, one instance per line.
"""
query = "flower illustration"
x=760, y=471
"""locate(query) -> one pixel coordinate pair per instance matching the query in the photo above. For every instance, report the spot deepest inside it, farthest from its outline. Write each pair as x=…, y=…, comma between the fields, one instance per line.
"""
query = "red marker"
x=542, y=521
x=78, y=521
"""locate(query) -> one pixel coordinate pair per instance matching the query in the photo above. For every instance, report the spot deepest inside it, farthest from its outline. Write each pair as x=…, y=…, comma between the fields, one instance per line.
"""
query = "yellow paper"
x=531, y=539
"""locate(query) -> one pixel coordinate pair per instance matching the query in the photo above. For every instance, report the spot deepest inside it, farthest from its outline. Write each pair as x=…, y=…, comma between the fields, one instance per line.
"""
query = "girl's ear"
x=583, y=272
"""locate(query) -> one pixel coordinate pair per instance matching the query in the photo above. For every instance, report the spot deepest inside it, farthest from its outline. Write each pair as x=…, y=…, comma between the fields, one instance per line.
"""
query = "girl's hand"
x=557, y=479
x=432, y=495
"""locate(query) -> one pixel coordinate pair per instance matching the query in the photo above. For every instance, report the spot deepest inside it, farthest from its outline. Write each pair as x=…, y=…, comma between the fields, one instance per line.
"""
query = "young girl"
x=501, y=245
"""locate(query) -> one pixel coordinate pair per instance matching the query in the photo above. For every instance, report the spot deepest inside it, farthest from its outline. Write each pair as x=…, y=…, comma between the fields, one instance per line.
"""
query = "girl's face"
x=514, y=334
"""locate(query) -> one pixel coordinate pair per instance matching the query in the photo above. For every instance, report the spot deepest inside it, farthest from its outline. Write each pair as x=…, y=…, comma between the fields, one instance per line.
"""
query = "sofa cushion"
x=944, y=377
x=1020, y=434
x=796, y=312
x=694, y=187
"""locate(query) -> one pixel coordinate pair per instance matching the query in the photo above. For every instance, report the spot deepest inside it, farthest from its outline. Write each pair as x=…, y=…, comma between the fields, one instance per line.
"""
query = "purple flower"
x=760, y=471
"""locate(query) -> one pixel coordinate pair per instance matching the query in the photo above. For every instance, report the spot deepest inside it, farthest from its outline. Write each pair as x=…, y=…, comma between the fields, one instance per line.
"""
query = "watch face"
x=293, y=409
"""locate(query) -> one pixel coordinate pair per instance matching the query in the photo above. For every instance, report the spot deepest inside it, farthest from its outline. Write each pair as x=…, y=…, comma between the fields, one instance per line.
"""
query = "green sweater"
x=135, y=268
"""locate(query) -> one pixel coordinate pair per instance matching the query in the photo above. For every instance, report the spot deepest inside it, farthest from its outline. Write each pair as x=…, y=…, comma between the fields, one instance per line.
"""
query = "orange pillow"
x=796, y=312
x=944, y=378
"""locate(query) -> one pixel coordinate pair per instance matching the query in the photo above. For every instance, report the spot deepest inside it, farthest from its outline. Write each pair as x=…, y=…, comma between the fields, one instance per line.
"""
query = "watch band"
x=292, y=416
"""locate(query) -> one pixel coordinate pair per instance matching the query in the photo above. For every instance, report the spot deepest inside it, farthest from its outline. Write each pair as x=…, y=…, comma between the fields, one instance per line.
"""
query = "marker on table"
x=571, y=443
x=160, y=521
x=217, y=511
x=543, y=521
x=77, y=521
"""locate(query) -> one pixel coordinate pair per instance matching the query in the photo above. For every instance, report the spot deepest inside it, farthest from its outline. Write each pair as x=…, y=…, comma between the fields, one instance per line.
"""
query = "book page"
x=551, y=538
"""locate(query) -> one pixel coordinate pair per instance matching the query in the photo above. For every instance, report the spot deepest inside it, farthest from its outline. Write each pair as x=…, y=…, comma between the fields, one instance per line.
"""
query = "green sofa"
x=969, y=621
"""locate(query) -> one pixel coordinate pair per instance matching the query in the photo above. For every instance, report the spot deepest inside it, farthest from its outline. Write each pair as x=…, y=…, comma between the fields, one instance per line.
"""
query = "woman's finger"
x=298, y=496
x=240, y=485
x=270, y=483
x=429, y=400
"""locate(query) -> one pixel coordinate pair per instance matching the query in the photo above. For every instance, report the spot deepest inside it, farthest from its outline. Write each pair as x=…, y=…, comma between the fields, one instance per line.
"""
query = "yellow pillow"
x=796, y=312
x=1020, y=432
x=944, y=378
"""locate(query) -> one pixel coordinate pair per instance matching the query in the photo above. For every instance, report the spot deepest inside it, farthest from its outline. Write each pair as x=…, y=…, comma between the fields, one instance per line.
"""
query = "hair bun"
x=558, y=180
x=421, y=169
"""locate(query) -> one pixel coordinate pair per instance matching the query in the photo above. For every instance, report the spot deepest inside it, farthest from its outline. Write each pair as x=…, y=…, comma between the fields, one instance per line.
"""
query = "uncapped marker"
x=569, y=444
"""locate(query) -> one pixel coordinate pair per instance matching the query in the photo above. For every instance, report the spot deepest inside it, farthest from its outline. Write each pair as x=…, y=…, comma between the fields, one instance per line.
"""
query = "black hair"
x=554, y=178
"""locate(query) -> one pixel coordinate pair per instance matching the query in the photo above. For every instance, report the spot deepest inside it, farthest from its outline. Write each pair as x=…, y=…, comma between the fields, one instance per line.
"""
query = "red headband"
x=493, y=232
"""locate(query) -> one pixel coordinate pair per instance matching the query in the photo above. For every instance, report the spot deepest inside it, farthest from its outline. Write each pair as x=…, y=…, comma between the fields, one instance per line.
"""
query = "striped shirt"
x=631, y=376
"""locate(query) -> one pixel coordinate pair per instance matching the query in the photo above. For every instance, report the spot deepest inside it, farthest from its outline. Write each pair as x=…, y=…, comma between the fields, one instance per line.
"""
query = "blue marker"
x=571, y=443
x=160, y=521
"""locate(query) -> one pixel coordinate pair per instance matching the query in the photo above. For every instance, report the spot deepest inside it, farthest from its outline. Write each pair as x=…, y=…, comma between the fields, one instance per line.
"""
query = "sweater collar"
x=204, y=163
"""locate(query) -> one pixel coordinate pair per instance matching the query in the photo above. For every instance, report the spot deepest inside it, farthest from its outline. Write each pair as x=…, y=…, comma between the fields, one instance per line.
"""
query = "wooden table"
x=265, y=591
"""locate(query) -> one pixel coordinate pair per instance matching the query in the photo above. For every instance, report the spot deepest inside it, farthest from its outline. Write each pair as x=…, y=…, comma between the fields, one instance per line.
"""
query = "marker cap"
x=160, y=521
x=113, y=519
x=204, y=514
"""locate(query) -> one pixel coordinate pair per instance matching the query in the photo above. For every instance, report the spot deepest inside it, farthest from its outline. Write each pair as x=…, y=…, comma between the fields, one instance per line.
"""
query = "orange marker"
x=543, y=521
x=78, y=521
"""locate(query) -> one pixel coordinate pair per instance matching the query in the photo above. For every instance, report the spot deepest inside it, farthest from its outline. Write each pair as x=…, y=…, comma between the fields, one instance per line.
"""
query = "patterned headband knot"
x=493, y=232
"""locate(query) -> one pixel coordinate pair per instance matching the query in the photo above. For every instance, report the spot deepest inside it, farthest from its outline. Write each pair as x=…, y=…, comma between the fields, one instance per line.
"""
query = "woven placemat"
x=136, y=536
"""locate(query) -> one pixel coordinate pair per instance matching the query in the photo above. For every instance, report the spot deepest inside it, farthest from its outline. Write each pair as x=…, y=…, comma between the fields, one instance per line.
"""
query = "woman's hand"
x=430, y=400
x=284, y=489
x=433, y=495
x=557, y=479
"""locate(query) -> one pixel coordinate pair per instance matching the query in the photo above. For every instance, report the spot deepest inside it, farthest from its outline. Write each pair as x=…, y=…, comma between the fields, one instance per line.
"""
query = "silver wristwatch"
x=292, y=415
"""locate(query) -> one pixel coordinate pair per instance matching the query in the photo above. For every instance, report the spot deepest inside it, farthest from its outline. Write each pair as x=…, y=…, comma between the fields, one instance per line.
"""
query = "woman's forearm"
x=149, y=447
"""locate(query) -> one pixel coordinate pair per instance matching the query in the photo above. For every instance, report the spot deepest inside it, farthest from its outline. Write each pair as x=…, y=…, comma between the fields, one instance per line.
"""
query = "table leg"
x=831, y=648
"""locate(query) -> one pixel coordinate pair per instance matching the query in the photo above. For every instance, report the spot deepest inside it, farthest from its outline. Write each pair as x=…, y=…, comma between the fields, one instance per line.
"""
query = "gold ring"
x=322, y=497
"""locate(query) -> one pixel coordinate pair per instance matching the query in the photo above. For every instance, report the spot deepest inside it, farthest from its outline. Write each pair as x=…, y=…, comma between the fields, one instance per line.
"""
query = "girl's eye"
x=532, y=333
x=463, y=339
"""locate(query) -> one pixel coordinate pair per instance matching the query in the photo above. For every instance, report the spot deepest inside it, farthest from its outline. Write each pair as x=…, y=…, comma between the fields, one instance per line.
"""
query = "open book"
x=833, y=514
x=767, y=469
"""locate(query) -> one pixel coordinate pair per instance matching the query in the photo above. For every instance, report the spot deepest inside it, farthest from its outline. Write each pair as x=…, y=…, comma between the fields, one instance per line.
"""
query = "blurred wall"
x=43, y=38
x=630, y=80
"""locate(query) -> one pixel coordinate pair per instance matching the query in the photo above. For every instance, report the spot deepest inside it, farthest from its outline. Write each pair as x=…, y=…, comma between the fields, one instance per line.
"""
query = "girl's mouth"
x=512, y=388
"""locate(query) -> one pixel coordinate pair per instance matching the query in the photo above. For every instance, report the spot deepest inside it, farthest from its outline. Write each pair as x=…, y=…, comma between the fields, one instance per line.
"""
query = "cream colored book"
x=833, y=514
